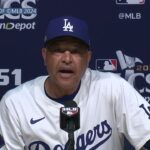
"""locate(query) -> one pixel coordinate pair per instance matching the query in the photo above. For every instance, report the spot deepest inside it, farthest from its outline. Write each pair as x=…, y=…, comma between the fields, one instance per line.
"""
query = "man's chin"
x=68, y=85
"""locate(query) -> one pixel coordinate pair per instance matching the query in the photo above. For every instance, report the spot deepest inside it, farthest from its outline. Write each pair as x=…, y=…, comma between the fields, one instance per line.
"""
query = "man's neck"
x=56, y=92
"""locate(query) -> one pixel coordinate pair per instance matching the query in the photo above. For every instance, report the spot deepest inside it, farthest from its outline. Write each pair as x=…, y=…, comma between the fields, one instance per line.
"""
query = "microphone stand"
x=70, y=122
x=71, y=129
x=70, y=143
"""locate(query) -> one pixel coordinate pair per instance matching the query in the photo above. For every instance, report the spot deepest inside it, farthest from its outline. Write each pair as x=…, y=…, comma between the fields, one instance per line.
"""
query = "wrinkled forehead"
x=69, y=40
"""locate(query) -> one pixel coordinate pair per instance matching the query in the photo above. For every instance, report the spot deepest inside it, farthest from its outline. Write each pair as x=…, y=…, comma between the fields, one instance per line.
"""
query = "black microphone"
x=70, y=121
x=70, y=116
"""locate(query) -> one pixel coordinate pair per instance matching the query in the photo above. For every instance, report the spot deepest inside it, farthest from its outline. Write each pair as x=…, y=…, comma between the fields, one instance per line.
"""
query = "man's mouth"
x=66, y=72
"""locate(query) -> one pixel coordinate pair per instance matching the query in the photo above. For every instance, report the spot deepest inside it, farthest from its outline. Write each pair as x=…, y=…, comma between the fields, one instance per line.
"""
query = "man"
x=109, y=106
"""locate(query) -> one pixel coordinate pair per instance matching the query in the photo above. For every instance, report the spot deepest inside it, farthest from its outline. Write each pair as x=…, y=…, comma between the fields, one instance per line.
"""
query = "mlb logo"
x=106, y=64
x=130, y=2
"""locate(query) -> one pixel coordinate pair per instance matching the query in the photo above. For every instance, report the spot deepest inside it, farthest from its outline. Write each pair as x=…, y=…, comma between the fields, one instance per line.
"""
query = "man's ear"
x=89, y=56
x=44, y=51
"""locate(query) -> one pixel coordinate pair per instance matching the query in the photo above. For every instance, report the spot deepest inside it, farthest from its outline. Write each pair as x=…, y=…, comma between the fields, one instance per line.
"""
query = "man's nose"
x=67, y=57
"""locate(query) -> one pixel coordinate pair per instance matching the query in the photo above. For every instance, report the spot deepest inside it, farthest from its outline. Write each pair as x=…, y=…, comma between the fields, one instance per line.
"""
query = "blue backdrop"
x=119, y=38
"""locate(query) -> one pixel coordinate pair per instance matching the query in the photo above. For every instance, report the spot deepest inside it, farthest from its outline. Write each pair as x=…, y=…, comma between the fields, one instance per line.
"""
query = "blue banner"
x=119, y=38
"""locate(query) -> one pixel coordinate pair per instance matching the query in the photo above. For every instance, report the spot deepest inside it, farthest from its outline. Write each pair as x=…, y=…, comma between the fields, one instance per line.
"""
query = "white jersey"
x=109, y=108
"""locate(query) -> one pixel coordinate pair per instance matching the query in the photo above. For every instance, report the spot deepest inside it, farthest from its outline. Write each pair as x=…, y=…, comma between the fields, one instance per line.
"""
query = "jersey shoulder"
x=105, y=80
x=96, y=75
x=21, y=91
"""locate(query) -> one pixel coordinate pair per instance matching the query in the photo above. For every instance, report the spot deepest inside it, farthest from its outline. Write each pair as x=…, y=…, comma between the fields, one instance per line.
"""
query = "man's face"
x=66, y=61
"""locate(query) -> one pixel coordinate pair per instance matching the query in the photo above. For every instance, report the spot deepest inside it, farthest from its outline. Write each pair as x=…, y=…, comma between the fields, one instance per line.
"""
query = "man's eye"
x=57, y=50
x=78, y=51
x=74, y=51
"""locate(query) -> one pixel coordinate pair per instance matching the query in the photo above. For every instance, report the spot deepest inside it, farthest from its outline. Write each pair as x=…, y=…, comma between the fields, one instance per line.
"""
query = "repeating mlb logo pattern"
x=128, y=2
x=106, y=64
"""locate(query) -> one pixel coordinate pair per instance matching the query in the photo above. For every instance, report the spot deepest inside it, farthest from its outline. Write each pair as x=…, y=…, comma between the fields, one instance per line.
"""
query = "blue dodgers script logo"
x=102, y=132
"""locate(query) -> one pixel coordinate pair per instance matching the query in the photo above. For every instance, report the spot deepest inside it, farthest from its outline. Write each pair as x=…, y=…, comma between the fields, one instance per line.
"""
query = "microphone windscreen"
x=70, y=116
